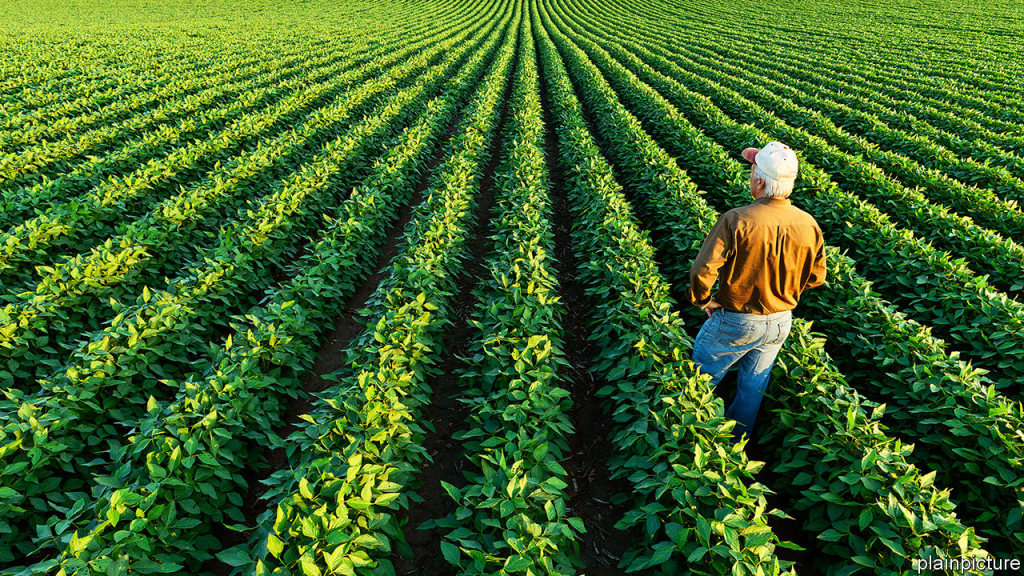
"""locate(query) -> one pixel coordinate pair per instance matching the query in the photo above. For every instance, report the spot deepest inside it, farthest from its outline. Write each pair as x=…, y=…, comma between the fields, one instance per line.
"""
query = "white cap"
x=776, y=160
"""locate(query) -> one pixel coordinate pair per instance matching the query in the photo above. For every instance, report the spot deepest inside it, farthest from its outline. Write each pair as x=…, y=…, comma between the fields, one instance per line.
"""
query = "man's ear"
x=759, y=185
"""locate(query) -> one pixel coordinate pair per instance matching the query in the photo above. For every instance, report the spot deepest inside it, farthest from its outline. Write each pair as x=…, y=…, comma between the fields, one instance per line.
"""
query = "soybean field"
x=318, y=287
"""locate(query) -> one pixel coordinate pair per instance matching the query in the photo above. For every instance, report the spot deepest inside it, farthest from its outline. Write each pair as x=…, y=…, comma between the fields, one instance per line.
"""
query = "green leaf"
x=384, y=568
x=697, y=554
x=703, y=529
x=275, y=545
x=893, y=545
x=117, y=568
x=834, y=498
x=556, y=483
x=577, y=523
x=516, y=563
x=540, y=452
x=304, y=489
x=865, y=519
x=309, y=568
x=452, y=491
x=864, y=561
x=237, y=556
x=963, y=541
x=662, y=552
x=830, y=535
x=451, y=553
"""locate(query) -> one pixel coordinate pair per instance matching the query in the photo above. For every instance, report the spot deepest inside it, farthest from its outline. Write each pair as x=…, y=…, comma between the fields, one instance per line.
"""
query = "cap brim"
x=749, y=154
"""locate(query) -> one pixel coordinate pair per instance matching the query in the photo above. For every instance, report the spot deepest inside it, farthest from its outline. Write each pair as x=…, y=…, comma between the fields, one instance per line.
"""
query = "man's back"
x=768, y=253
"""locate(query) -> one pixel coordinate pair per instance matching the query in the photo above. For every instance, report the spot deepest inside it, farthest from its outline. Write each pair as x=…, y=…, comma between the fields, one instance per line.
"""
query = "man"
x=766, y=253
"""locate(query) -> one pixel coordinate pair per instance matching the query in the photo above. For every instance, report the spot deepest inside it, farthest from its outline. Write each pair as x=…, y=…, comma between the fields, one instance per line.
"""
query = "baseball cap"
x=776, y=160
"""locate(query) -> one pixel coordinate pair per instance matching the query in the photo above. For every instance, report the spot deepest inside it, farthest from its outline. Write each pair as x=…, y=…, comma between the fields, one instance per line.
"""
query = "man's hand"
x=711, y=307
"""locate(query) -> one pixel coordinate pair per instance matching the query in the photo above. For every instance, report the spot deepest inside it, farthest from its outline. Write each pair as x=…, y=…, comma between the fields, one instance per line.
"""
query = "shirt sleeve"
x=817, y=277
x=714, y=252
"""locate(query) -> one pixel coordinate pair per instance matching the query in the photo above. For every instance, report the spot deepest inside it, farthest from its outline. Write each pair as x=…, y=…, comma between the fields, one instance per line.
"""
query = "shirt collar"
x=769, y=201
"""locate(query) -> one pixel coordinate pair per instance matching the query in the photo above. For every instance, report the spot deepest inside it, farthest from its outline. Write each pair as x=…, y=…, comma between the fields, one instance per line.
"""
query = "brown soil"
x=591, y=491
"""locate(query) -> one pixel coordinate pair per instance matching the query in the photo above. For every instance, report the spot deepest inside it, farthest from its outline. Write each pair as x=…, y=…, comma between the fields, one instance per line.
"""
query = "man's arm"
x=714, y=252
x=818, y=269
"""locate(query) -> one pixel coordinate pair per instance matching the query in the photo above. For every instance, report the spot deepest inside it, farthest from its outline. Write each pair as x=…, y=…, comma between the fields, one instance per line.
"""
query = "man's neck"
x=771, y=200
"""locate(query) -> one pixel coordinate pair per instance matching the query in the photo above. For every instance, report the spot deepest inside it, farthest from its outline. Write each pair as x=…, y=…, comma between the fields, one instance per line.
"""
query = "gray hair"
x=772, y=187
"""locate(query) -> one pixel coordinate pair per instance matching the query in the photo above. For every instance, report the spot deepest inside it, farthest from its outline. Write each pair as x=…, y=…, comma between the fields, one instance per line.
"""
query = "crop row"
x=833, y=99
x=102, y=390
x=170, y=235
x=27, y=183
x=1002, y=257
x=830, y=120
x=933, y=398
x=218, y=86
x=55, y=103
x=149, y=425
x=934, y=288
x=24, y=242
x=681, y=218
x=983, y=407
x=693, y=492
x=879, y=95
x=511, y=515
x=947, y=38
x=38, y=112
x=45, y=140
x=911, y=90
x=357, y=448
x=184, y=471
x=987, y=412
x=52, y=63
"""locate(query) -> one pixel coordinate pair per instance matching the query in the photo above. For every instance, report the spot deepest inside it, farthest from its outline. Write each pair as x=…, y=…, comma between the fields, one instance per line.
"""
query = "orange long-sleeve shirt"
x=766, y=253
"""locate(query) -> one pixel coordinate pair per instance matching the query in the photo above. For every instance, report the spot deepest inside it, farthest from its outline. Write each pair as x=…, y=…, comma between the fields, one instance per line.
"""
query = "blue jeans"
x=753, y=340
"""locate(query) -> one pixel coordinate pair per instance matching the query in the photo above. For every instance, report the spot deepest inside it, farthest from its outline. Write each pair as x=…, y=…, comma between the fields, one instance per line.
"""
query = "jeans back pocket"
x=779, y=331
x=732, y=333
